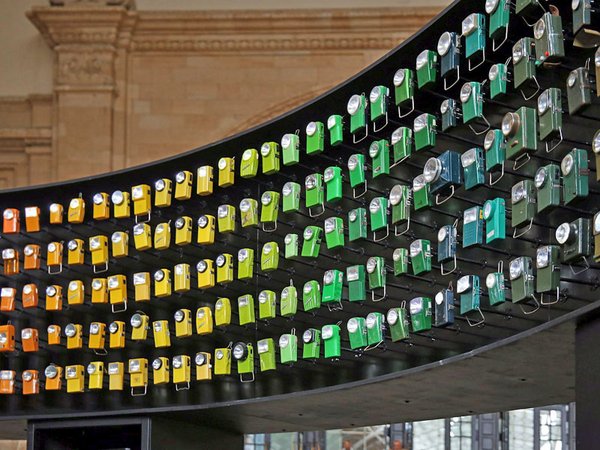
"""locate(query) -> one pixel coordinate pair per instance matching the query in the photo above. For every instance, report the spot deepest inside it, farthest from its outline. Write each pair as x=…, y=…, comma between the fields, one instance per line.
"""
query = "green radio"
x=398, y=323
x=333, y=284
x=311, y=348
x=549, y=108
x=291, y=246
x=315, y=194
x=375, y=329
x=288, y=306
x=226, y=218
x=474, y=32
x=312, y=241
x=420, y=314
x=245, y=266
x=357, y=332
x=547, y=262
x=520, y=130
x=376, y=276
x=473, y=167
x=357, y=171
x=379, y=151
x=357, y=286
x=290, y=149
x=421, y=195
x=523, y=206
x=378, y=212
x=246, y=309
x=311, y=295
x=575, y=172
x=357, y=224
x=315, y=138
x=494, y=213
x=575, y=240
x=585, y=17
x=404, y=90
x=402, y=142
x=269, y=257
x=426, y=68
x=249, y=212
x=266, y=354
x=499, y=12
x=335, y=125
x=549, y=40
x=333, y=184
x=448, y=48
x=447, y=240
x=331, y=341
x=420, y=256
x=472, y=226
x=547, y=183
x=495, y=154
x=521, y=279
x=357, y=109
x=498, y=79
x=400, y=258
x=249, y=165
x=378, y=107
x=334, y=232
x=494, y=282
x=579, y=90
x=443, y=308
x=400, y=208
x=291, y=197
x=288, y=348
x=270, y=158
x=424, y=132
x=269, y=210
x=267, y=305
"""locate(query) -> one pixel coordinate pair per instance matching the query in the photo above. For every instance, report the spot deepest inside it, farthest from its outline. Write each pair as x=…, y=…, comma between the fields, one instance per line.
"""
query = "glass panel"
x=551, y=432
x=520, y=426
x=429, y=435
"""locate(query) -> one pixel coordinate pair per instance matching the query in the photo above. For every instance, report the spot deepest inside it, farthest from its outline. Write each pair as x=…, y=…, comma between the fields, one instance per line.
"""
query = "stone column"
x=87, y=38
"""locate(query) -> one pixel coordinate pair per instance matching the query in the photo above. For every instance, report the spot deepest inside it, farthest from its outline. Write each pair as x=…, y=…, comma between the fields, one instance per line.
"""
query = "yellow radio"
x=97, y=337
x=54, y=257
x=32, y=219
x=224, y=264
x=204, y=185
x=183, y=323
x=75, y=252
x=53, y=334
x=203, y=366
x=54, y=376
x=183, y=230
x=56, y=213
x=121, y=204
x=31, y=260
x=222, y=312
x=75, y=378
x=142, y=236
x=141, y=285
x=75, y=293
x=204, y=320
x=182, y=277
x=101, y=209
x=117, y=292
x=74, y=334
x=54, y=298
